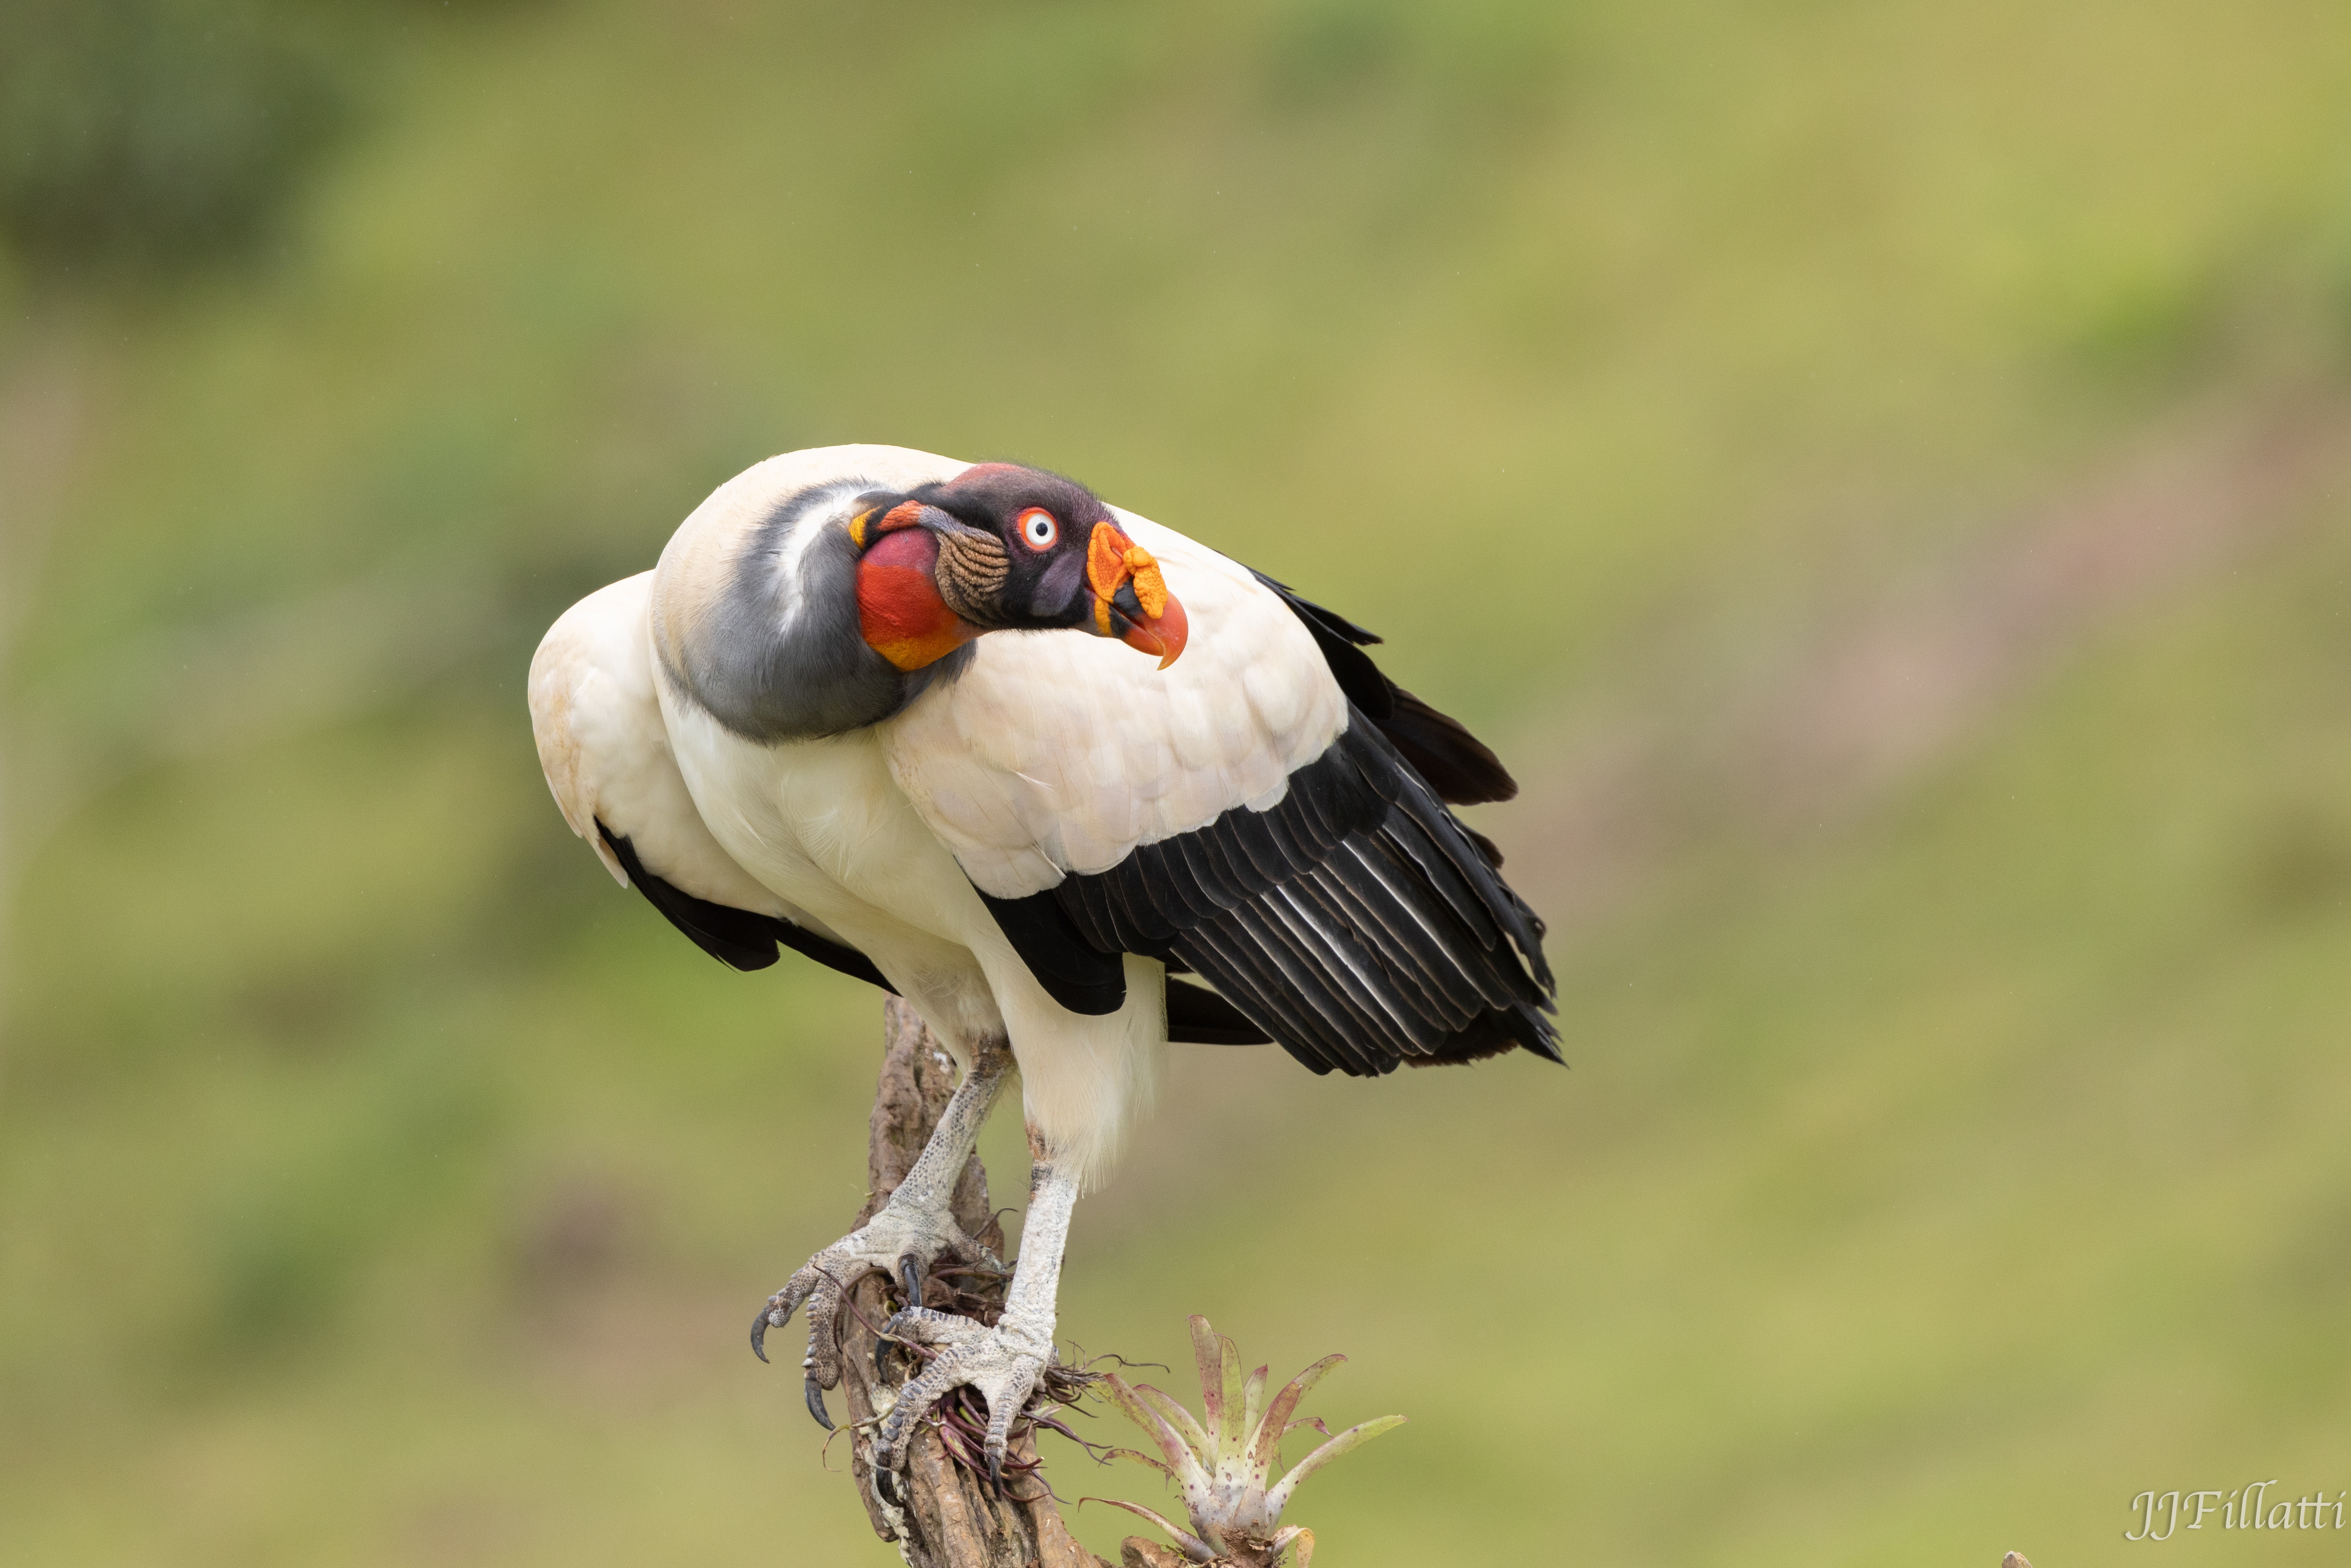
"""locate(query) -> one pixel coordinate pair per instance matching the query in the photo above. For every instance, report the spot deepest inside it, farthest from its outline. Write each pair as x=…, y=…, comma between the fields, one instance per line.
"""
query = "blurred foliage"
x=147, y=137
x=155, y=132
x=378, y=1183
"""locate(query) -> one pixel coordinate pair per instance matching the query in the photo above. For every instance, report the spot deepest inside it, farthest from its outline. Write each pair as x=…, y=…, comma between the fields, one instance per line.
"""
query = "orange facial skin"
x=904, y=616
x=898, y=605
x=866, y=527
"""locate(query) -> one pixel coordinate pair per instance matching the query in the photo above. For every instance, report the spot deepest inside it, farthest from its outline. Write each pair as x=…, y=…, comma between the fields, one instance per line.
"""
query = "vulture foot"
x=904, y=1243
x=1004, y=1364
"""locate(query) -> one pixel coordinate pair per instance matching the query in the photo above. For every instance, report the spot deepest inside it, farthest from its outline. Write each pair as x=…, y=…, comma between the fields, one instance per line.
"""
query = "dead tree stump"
x=951, y=1519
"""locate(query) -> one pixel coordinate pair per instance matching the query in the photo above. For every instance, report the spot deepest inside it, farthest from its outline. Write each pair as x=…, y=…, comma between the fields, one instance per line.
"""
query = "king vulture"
x=801, y=730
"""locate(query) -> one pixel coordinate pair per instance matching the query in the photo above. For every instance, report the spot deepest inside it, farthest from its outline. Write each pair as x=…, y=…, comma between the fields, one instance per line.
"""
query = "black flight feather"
x=1078, y=973
x=1461, y=769
x=1090, y=978
x=1197, y=1016
x=739, y=937
x=1356, y=921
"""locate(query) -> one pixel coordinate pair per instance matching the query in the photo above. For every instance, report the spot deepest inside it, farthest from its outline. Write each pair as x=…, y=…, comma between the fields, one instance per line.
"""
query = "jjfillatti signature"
x=2247, y=1507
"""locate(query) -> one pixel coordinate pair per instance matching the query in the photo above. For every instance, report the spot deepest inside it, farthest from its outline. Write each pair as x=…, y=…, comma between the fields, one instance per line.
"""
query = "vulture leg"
x=1003, y=1362
x=910, y=1232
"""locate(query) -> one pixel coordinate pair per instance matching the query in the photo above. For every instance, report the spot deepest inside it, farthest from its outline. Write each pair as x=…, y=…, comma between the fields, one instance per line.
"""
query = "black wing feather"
x=1461, y=769
x=1341, y=641
x=1088, y=976
x=1197, y=1016
x=739, y=937
x=1083, y=977
x=1356, y=922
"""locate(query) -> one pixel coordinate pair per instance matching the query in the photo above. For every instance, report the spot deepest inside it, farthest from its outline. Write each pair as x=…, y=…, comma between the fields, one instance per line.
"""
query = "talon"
x=815, y=1391
x=996, y=1464
x=760, y=1327
x=910, y=1274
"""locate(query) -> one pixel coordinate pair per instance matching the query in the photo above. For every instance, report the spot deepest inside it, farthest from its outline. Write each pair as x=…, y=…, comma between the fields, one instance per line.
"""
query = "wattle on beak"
x=1131, y=598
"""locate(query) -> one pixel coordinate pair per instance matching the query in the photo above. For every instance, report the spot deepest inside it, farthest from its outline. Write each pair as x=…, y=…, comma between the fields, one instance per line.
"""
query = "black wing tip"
x=1497, y=1032
x=838, y=956
x=1199, y=1016
x=1356, y=974
x=1461, y=769
x=1545, y=1044
x=1320, y=615
x=739, y=938
x=1485, y=846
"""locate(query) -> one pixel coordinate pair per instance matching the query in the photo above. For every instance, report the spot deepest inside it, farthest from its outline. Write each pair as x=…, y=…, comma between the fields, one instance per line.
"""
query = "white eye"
x=1039, y=528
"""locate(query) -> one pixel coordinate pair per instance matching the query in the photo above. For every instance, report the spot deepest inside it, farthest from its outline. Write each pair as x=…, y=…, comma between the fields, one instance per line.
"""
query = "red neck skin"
x=898, y=605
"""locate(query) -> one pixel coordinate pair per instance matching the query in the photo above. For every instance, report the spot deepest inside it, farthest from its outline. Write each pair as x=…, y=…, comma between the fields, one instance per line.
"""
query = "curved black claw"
x=910, y=1275
x=1001, y=1369
x=815, y=1391
x=891, y=1337
x=760, y=1326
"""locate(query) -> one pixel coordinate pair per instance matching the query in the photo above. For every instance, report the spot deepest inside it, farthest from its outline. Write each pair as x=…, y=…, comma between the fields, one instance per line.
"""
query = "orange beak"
x=1130, y=598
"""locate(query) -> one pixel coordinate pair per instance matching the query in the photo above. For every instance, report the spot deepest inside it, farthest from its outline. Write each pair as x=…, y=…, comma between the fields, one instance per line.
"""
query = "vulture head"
x=793, y=605
x=1002, y=547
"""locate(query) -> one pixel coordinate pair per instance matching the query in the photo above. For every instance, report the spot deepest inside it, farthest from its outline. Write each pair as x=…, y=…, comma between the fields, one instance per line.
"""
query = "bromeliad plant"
x=1224, y=1462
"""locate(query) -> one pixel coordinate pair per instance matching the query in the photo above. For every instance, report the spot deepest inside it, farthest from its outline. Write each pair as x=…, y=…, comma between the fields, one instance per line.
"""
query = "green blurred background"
x=1881, y=472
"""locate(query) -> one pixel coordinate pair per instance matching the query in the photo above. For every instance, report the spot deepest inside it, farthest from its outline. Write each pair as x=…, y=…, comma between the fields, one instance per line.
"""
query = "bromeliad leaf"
x=1225, y=1463
x=1181, y=1419
x=1345, y=1442
x=1198, y=1550
x=1182, y=1463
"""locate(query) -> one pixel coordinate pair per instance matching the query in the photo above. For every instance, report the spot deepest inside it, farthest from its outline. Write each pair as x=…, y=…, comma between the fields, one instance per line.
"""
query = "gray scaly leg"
x=1002, y=1362
x=905, y=1239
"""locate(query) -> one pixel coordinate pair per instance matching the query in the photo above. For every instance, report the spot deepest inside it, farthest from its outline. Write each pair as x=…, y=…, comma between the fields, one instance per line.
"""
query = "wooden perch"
x=951, y=1519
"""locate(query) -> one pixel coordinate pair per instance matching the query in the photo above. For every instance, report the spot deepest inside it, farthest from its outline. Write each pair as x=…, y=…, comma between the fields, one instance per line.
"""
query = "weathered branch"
x=952, y=1519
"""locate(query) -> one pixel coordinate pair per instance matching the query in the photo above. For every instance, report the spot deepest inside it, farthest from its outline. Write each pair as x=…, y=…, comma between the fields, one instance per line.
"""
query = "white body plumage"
x=1048, y=754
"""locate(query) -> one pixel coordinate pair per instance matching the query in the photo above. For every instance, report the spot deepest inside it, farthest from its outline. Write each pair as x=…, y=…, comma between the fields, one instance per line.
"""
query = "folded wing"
x=608, y=760
x=1239, y=817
